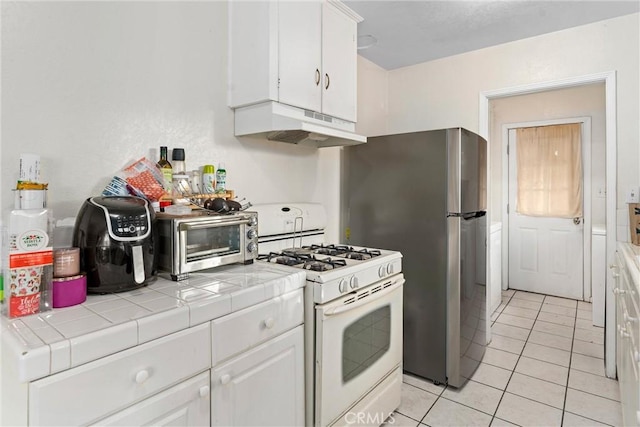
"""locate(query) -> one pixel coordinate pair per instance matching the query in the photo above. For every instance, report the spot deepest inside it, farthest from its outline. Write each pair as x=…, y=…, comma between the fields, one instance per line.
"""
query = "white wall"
x=92, y=85
x=581, y=101
x=444, y=93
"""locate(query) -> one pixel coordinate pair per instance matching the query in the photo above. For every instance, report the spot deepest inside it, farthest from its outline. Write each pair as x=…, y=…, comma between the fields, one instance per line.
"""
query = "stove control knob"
x=353, y=282
x=343, y=286
x=389, y=268
x=382, y=271
x=253, y=221
x=252, y=247
x=252, y=234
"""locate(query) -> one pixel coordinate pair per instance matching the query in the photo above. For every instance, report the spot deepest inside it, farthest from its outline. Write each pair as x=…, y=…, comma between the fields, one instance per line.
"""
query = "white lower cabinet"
x=92, y=391
x=263, y=386
x=628, y=338
x=186, y=404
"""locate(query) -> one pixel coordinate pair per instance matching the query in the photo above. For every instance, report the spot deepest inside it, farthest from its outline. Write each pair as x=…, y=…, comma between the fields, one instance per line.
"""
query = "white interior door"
x=545, y=253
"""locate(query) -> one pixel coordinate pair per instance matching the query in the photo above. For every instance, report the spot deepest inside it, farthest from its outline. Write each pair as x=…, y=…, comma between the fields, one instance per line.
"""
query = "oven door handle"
x=209, y=224
x=338, y=309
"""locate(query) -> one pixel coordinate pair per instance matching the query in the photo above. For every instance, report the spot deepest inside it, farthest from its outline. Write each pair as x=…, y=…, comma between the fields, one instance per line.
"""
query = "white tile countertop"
x=57, y=340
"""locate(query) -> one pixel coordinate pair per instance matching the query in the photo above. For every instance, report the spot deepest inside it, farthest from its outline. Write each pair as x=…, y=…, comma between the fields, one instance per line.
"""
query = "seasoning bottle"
x=178, y=160
x=221, y=179
x=208, y=179
x=165, y=168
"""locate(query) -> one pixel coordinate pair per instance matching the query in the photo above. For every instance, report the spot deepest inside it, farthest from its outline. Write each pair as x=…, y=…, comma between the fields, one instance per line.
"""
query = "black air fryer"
x=118, y=243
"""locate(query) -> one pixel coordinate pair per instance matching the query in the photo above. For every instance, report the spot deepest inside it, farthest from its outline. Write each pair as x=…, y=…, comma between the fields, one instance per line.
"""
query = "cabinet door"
x=264, y=386
x=339, y=64
x=186, y=404
x=299, y=68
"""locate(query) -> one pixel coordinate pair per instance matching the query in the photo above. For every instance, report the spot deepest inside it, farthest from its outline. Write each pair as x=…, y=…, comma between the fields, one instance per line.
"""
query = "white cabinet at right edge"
x=298, y=53
x=627, y=298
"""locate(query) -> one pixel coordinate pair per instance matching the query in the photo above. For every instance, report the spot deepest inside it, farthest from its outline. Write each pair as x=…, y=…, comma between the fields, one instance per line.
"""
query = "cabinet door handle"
x=204, y=391
x=612, y=266
x=269, y=322
x=326, y=76
x=629, y=319
x=142, y=376
x=619, y=291
x=224, y=379
x=317, y=77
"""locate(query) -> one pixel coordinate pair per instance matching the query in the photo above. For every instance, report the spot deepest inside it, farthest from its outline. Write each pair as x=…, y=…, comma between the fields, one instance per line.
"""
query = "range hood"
x=280, y=122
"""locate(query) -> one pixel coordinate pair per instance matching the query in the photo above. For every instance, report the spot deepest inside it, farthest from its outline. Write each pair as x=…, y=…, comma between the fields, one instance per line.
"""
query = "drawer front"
x=97, y=389
x=186, y=404
x=244, y=329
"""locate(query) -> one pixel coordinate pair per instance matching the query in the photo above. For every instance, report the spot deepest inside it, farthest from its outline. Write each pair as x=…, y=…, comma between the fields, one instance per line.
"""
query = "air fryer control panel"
x=129, y=225
x=128, y=218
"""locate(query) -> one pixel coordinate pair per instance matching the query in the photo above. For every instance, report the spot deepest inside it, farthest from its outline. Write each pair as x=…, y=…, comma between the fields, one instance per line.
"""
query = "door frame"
x=609, y=79
x=585, y=147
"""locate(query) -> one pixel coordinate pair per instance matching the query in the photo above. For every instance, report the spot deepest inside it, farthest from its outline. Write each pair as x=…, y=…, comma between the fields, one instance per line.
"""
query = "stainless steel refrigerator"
x=424, y=194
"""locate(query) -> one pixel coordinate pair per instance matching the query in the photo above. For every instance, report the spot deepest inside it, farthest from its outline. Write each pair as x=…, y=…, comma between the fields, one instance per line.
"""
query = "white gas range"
x=353, y=316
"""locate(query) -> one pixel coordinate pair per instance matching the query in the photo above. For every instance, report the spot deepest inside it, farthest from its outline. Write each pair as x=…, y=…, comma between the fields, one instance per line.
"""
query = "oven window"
x=365, y=341
x=215, y=241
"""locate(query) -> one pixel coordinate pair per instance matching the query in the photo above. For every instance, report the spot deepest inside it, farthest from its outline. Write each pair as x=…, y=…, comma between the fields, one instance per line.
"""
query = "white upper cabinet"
x=339, y=63
x=298, y=53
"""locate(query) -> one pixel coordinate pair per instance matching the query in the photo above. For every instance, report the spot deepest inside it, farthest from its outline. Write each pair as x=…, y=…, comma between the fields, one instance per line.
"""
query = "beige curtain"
x=549, y=171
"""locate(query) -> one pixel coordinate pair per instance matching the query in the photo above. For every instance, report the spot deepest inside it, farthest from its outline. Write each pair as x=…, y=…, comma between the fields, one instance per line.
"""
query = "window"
x=549, y=170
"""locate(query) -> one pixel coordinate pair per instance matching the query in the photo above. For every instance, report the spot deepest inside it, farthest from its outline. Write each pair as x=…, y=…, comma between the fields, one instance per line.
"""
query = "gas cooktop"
x=338, y=269
x=320, y=257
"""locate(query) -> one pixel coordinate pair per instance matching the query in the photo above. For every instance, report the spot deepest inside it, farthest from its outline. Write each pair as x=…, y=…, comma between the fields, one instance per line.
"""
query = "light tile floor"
x=544, y=367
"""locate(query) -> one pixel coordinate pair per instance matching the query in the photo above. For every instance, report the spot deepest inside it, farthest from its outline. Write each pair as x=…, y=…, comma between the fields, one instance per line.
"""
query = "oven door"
x=358, y=343
x=205, y=245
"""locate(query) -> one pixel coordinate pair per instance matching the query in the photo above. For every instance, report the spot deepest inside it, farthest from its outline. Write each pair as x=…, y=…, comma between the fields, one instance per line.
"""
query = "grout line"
x=467, y=406
x=432, y=405
x=596, y=395
x=517, y=361
x=566, y=390
x=587, y=418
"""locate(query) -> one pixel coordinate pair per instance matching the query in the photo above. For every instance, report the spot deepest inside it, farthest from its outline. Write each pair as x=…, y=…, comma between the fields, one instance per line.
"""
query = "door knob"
x=577, y=220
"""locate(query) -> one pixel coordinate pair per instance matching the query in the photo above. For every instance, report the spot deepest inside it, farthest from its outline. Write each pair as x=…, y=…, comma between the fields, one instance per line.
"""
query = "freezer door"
x=467, y=171
x=466, y=299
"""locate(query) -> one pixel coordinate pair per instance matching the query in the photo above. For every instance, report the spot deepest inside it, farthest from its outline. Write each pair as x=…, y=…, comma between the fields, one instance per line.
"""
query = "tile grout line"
x=517, y=361
x=566, y=389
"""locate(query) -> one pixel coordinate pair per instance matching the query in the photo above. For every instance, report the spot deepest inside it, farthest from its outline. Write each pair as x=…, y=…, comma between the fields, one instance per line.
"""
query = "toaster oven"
x=204, y=240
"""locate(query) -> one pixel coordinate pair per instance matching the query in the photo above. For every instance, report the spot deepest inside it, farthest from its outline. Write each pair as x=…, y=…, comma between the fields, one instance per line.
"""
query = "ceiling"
x=411, y=32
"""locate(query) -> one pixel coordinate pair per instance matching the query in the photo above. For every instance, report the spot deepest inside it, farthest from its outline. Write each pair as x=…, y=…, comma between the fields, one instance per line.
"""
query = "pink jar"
x=68, y=291
x=66, y=262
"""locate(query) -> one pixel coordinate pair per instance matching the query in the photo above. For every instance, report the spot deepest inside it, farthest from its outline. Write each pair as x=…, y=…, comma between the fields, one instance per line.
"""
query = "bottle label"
x=168, y=177
x=208, y=183
x=221, y=178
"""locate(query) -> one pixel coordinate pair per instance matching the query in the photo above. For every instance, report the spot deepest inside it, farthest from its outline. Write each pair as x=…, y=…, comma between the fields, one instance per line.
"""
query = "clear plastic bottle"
x=178, y=161
x=221, y=179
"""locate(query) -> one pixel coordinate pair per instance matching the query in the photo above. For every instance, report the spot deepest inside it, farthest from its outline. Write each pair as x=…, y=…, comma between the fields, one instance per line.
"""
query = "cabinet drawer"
x=242, y=330
x=186, y=404
x=97, y=389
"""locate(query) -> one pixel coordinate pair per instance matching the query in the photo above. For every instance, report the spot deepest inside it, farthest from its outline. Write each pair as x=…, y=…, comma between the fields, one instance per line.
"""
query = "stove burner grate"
x=325, y=264
x=344, y=251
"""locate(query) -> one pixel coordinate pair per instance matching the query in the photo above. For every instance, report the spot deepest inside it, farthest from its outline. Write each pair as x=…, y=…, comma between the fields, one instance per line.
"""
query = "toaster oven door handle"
x=209, y=224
